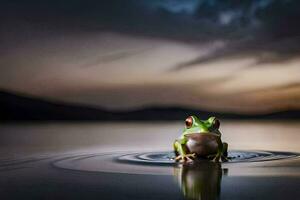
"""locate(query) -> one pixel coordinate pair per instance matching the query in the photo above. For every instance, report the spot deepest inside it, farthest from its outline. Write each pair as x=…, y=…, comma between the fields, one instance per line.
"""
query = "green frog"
x=200, y=138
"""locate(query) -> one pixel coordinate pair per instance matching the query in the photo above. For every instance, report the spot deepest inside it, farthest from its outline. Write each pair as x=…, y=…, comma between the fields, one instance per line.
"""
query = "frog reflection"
x=200, y=180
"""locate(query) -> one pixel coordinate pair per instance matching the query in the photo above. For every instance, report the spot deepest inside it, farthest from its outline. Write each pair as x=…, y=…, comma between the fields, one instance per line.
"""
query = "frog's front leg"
x=222, y=152
x=219, y=150
x=181, y=152
x=224, y=156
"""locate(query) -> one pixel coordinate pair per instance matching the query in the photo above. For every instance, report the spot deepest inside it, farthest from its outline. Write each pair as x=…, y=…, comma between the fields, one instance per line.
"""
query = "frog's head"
x=194, y=125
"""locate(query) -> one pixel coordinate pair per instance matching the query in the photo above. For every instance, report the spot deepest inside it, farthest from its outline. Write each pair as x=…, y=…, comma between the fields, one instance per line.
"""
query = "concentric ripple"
x=152, y=162
x=166, y=158
x=161, y=163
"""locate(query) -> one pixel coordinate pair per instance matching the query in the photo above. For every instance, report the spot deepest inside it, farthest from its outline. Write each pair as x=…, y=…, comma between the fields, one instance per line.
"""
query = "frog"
x=200, y=139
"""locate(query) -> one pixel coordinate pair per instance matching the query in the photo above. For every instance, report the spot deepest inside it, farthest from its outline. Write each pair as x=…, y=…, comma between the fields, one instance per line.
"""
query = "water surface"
x=133, y=161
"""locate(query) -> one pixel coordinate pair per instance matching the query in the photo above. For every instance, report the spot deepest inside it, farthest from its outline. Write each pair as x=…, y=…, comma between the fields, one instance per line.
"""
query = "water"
x=134, y=161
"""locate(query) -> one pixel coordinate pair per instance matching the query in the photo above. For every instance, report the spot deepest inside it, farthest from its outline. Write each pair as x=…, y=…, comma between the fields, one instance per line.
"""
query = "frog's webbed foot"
x=185, y=158
x=224, y=159
x=217, y=158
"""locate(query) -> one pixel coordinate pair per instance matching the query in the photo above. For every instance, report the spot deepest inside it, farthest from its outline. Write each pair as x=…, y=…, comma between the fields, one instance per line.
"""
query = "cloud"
x=250, y=26
x=101, y=52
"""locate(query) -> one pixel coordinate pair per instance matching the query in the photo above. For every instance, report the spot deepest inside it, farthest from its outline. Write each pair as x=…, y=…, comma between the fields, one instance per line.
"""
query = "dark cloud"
x=184, y=19
x=251, y=26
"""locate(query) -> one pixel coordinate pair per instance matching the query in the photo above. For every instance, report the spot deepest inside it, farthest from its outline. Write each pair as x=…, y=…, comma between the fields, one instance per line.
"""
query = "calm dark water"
x=133, y=161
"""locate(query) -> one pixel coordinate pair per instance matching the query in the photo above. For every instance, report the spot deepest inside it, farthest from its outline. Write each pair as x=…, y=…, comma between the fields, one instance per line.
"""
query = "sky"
x=217, y=55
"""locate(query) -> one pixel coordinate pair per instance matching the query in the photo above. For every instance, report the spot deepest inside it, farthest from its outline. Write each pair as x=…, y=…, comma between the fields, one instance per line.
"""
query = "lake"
x=132, y=160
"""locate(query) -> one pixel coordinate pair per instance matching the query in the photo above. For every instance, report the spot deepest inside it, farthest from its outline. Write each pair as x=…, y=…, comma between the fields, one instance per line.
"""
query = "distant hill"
x=14, y=107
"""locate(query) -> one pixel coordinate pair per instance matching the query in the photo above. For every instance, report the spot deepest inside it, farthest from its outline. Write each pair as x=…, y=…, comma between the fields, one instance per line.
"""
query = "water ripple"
x=153, y=162
x=131, y=162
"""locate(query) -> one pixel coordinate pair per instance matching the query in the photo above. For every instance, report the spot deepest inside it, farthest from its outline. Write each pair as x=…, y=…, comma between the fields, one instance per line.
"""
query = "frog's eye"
x=189, y=122
x=216, y=124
